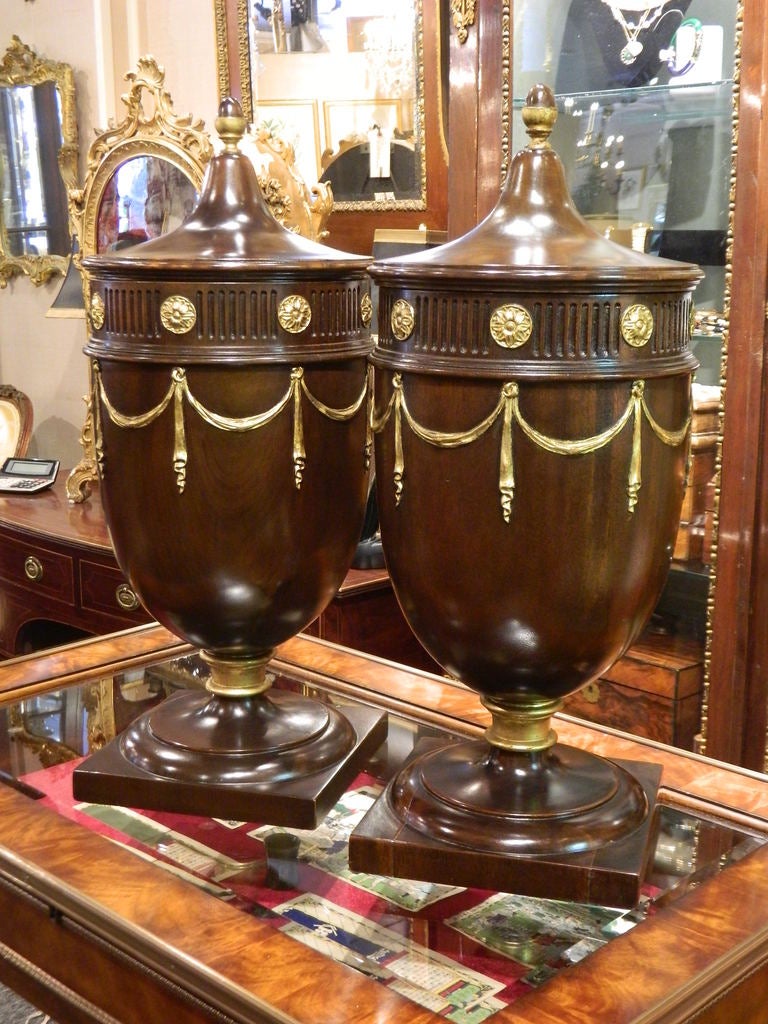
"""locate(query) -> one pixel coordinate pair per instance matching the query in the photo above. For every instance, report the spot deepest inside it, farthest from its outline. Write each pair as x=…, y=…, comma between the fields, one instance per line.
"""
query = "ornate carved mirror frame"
x=352, y=223
x=21, y=66
x=149, y=130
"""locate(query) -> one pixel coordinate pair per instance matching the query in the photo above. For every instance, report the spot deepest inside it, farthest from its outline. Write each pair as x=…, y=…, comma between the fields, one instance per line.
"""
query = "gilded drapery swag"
x=179, y=392
x=508, y=407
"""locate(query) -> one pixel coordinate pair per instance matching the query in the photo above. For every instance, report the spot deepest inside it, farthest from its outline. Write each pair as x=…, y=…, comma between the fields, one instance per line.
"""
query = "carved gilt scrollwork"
x=21, y=66
x=463, y=14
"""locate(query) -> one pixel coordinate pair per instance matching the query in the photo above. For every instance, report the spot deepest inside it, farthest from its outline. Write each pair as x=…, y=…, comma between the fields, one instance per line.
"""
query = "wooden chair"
x=16, y=418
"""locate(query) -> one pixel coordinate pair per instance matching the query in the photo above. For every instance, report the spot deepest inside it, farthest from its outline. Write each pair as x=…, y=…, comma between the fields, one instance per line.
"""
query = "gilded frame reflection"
x=234, y=66
x=21, y=66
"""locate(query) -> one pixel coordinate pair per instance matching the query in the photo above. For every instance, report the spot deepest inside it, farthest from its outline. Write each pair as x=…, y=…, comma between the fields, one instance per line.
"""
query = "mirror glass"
x=343, y=84
x=146, y=197
x=645, y=99
x=38, y=163
x=646, y=130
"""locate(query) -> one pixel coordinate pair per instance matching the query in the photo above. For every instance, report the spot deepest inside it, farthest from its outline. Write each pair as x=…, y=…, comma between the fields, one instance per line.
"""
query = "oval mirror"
x=147, y=196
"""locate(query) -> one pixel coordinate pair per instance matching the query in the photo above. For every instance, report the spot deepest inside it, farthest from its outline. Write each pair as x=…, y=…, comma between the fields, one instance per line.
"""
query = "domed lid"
x=231, y=230
x=535, y=231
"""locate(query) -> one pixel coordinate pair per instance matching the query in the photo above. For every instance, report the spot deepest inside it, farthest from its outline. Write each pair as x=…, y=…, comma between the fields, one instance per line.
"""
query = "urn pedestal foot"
x=559, y=823
x=266, y=756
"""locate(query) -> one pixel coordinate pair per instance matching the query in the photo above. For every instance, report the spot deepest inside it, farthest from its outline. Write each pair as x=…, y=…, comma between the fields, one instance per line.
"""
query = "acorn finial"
x=230, y=124
x=539, y=115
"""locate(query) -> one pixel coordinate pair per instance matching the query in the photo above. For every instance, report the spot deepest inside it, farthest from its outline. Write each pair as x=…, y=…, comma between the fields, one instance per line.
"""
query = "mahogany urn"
x=231, y=395
x=531, y=429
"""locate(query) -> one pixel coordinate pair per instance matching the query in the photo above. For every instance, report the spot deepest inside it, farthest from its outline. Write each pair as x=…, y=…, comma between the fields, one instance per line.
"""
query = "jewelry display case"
x=646, y=95
x=148, y=917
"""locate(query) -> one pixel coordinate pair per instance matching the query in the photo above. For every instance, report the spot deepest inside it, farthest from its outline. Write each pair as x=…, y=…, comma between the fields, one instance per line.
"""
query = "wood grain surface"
x=684, y=959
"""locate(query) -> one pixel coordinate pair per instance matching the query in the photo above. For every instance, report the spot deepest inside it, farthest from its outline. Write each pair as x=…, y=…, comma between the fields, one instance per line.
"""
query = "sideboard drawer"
x=104, y=589
x=38, y=569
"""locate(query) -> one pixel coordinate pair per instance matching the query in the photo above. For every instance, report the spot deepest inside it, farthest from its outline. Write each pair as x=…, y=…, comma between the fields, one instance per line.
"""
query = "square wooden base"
x=107, y=777
x=609, y=876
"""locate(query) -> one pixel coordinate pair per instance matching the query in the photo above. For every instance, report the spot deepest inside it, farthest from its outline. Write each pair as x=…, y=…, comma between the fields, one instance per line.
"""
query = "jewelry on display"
x=650, y=14
x=671, y=55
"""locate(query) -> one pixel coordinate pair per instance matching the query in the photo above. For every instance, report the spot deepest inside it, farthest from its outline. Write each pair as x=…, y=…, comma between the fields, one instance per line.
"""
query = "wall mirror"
x=143, y=177
x=344, y=84
x=38, y=163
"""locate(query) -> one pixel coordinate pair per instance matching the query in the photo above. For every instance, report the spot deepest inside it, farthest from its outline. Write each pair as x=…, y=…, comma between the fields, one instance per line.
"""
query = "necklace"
x=650, y=13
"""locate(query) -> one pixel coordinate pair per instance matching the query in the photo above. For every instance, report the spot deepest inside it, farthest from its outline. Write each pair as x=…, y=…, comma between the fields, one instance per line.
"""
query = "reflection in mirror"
x=344, y=85
x=146, y=197
x=38, y=163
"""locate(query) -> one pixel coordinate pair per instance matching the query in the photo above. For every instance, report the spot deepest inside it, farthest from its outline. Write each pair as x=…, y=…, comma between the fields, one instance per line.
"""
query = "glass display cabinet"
x=148, y=916
x=645, y=138
x=645, y=94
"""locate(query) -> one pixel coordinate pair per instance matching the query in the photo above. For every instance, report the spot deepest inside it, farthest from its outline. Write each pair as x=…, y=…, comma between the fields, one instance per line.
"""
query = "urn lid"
x=534, y=229
x=231, y=230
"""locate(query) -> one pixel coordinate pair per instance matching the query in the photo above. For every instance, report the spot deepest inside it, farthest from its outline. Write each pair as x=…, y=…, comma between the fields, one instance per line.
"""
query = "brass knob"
x=126, y=598
x=33, y=568
x=591, y=692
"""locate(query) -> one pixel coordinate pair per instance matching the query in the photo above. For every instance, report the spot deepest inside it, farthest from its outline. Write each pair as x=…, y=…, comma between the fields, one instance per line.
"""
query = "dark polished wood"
x=58, y=574
x=230, y=418
x=735, y=719
x=89, y=928
x=476, y=122
x=526, y=553
x=365, y=615
x=402, y=835
x=654, y=690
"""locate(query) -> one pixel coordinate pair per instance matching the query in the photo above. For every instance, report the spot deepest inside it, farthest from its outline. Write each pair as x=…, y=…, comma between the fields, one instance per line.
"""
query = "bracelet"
x=670, y=54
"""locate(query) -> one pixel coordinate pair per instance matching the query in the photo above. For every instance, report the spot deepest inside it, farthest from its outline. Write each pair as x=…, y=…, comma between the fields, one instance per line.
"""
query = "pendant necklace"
x=649, y=15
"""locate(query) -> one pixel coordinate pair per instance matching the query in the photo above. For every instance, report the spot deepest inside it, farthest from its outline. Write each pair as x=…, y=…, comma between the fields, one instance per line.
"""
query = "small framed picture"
x=631, y=189
x=298, y=123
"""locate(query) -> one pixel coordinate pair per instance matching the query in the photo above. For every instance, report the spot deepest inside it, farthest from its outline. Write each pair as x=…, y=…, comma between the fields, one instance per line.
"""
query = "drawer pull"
x=126, y=598
x=33, y=568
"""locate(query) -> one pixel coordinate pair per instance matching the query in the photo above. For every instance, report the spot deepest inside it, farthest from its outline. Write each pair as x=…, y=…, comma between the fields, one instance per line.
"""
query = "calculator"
x=27, y=476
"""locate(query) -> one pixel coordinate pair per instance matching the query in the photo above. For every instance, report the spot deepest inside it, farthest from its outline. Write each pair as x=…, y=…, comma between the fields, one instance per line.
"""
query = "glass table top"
x=464, y=953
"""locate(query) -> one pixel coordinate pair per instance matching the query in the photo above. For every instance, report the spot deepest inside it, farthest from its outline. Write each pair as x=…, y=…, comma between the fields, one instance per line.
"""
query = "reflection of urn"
x=531, y=418
x=231, y=402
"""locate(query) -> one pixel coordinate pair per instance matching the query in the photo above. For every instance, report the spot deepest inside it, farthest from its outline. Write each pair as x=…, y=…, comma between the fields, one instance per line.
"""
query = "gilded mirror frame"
x=150, y=128
x=234, y=67
x=22, y=66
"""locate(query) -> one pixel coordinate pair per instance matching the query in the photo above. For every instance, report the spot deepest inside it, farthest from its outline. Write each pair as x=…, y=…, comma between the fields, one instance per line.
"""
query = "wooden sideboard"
x=59, y=580
x=58, y=574
x=90, y=932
